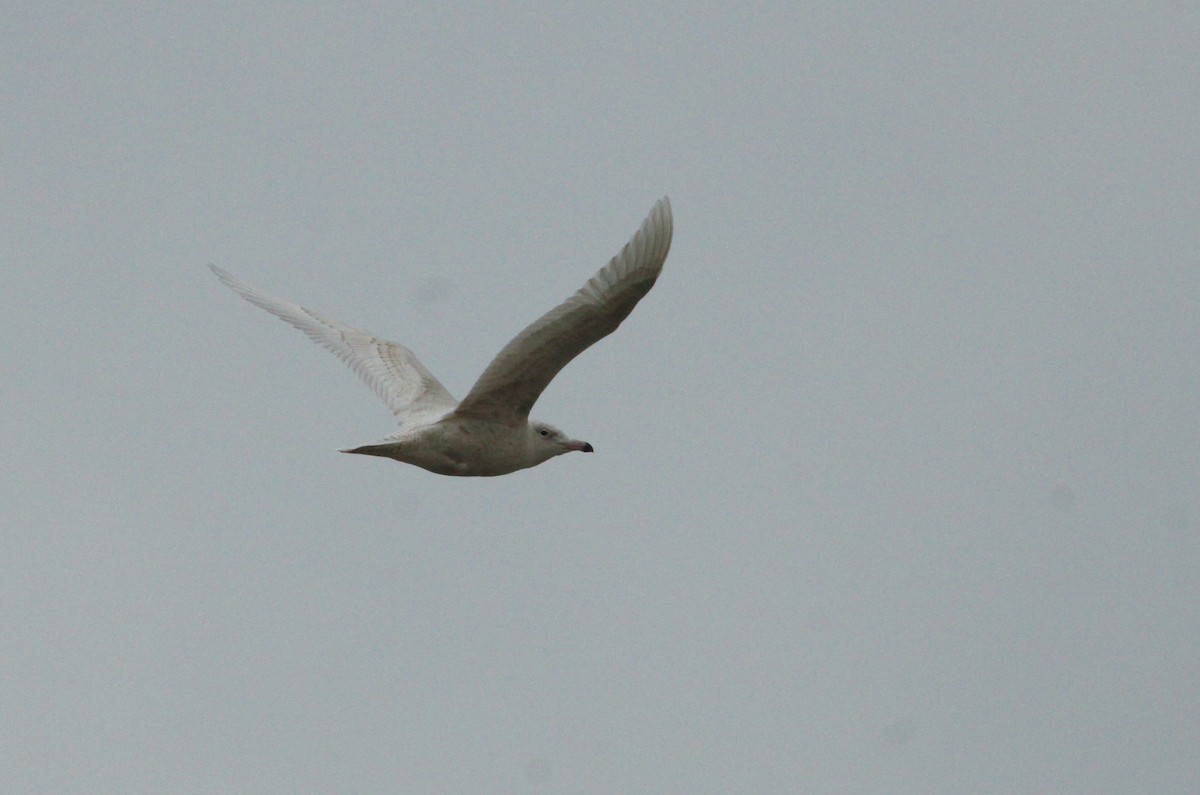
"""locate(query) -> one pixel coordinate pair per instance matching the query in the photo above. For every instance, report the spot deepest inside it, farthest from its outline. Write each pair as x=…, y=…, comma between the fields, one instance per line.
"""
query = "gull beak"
x=582, y=447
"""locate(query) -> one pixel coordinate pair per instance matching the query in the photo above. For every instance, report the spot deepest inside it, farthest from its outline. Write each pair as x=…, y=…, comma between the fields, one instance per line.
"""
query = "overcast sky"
x=897, y=474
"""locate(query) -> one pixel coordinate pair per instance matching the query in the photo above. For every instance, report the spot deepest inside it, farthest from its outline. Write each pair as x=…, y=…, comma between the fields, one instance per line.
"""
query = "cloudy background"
x=897, y=471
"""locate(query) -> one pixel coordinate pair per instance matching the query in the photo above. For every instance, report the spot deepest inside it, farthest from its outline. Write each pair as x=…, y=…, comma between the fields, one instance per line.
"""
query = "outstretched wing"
x=390, y=369
x=513, y=381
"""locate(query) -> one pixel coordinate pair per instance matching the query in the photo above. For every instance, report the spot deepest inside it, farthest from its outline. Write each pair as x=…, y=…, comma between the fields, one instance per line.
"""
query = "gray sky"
x=897, y=471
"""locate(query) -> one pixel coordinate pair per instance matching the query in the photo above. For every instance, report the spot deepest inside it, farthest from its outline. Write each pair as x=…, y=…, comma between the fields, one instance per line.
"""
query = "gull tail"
x=384, y=449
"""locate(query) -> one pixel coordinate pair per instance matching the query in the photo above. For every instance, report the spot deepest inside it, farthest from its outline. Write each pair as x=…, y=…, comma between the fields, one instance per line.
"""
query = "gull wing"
x=387, y=367
x=513, y=381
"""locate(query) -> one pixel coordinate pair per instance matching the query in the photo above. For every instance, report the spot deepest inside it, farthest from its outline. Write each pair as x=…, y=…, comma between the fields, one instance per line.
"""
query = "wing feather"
x=511, y=384
x=389, y=368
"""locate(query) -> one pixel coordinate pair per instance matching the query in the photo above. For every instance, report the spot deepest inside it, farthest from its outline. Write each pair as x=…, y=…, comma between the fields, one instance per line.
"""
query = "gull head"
x=546, y=441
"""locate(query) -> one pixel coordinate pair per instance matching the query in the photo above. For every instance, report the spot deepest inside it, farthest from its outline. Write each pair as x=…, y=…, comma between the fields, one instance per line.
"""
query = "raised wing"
x=390, y=369
x=513, y=381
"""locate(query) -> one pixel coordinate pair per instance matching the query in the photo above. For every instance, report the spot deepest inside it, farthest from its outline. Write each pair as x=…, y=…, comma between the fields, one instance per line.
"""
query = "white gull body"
x=489, y=432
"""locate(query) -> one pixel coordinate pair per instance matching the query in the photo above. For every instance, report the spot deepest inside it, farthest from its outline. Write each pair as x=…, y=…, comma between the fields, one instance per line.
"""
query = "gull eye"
x=544, y=432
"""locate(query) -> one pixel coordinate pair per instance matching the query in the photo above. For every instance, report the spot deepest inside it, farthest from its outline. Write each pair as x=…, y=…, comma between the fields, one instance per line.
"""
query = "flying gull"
x=489, y=432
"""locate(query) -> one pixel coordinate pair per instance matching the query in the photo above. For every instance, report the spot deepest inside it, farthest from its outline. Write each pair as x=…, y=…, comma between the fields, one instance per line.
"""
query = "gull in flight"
x=489, y=432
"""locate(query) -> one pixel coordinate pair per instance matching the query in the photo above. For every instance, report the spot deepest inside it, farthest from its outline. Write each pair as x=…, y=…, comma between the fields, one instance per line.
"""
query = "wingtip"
x=225, y=276
x=664, y=223
x=662, y=212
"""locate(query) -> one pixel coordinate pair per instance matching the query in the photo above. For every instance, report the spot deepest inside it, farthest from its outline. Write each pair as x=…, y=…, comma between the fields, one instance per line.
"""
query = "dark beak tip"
x=587, y=448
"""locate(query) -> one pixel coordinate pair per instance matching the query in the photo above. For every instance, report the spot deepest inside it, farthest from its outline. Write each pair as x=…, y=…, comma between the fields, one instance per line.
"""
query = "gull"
x=489, y=432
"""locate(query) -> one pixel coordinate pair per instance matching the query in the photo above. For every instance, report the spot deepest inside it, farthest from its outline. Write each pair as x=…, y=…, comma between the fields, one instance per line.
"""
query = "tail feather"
x=383, y=450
